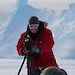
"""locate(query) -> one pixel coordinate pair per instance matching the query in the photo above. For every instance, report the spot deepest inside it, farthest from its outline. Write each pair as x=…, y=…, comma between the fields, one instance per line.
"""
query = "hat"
x=33, y=20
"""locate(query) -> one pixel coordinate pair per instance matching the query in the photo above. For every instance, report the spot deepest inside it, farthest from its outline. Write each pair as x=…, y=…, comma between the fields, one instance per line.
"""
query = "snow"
x=11, y=66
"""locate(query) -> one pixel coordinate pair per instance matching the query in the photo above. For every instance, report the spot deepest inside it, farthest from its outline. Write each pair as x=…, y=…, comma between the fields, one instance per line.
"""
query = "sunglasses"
x=34, y=25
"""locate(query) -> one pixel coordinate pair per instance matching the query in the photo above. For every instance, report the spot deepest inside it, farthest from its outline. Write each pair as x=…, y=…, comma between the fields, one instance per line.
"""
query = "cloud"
x=51, y=4
x=7, y=5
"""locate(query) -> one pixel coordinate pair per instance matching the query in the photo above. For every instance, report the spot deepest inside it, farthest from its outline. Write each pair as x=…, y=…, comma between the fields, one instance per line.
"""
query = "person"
x=37, y=42
x=53, y=71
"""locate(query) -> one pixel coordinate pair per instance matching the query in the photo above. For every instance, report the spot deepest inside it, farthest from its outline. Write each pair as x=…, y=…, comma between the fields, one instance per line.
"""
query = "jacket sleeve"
x=20, y=44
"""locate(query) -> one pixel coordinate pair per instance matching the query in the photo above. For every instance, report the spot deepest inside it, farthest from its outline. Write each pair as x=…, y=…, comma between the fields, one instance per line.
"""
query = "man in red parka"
x=37, y=42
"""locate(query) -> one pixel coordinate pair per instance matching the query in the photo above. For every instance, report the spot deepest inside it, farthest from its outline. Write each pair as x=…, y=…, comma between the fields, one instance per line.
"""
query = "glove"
x=35, y=51
x=26, y=51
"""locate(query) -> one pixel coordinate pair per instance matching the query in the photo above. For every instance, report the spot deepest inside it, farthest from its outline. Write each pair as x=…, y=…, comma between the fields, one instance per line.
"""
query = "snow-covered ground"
x=11, y=66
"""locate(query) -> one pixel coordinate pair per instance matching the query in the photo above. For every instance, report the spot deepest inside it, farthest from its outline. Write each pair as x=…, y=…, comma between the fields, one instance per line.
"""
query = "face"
x=34, y=28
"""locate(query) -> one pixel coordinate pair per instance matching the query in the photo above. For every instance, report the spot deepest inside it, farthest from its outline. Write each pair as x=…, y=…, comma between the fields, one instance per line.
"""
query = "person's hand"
x=35, y=51
x=26, y=51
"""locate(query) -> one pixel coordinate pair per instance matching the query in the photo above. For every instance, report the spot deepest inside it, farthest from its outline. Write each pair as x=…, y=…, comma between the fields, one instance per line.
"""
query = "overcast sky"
x=6, y=7
x=51, y=4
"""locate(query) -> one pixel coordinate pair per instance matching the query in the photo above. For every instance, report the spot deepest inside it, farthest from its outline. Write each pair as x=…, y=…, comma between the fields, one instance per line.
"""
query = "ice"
x=11, y=66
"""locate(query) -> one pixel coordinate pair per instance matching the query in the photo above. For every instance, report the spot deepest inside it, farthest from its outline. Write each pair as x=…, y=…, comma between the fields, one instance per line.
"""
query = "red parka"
x=46, y=57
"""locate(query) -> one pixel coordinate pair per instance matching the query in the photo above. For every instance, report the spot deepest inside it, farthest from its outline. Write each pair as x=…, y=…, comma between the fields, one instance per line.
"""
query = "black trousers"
x=34, y=71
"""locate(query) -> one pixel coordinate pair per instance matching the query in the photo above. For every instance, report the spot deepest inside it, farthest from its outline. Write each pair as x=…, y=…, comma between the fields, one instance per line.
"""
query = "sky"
x=60, y=15
x=51, y=4
x=6, y=7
